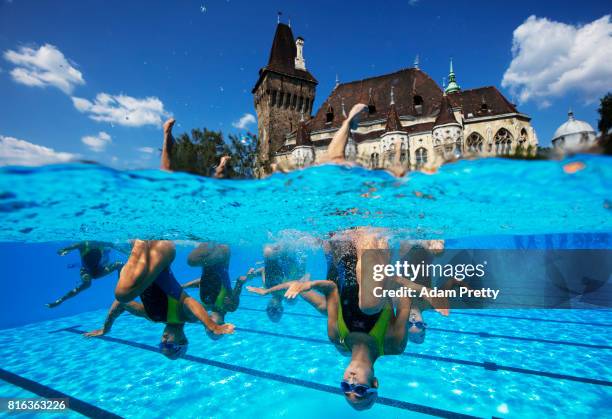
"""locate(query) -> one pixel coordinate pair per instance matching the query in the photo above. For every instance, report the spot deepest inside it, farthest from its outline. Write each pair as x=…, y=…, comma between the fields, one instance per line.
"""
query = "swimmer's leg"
x=147, y=260
x=110, y=268
x=168, y=144
x=335, y=150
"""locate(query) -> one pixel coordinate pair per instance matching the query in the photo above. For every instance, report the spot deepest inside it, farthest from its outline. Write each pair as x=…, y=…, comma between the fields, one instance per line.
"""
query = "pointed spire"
x=446, y=115
x=289, y=21
x=278, y=15
x=452, y=82
x=570, y=114
x=393, y=119
x=337, y=81
x=443, y=83
x=416, y=62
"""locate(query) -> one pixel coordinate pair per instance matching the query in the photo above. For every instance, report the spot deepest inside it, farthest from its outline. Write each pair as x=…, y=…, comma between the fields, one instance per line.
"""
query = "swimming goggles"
x=176, y=348
x=418, y=325
x=359, y=390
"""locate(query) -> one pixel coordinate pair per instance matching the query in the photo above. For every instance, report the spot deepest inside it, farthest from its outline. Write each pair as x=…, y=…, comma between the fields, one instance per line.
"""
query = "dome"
x=573, y=126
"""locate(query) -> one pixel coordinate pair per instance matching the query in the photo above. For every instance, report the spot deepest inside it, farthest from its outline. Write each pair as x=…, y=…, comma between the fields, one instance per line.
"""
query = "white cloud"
x=148, y=150
x=246, y=120
x=15, y=152
x=413, y=2
x=552, y=58
x=122, y=109
x=42, y=67
x=98, y=142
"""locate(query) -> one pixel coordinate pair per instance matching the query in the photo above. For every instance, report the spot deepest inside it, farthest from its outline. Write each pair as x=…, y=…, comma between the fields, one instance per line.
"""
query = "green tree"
x=200, y=152
x=605, y=122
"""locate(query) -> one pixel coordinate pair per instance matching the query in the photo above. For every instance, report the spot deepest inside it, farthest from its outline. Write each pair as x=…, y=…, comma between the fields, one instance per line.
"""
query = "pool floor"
x=486, y=363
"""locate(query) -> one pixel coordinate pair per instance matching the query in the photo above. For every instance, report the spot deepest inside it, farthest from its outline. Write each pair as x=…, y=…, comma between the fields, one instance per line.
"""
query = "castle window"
x=374, y=160
x=329, y=115
x=301, y=104
x=287, y=100
x=418, y=104
x=403, y=153
x=503, y=142
x=421, y=156
x=523, y=136
x=474, y=142
x=294, y=102
x=273, y=101
x=371, y=108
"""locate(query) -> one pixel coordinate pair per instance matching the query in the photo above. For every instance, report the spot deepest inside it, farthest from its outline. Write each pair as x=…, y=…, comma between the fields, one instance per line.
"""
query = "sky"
x=94, y=80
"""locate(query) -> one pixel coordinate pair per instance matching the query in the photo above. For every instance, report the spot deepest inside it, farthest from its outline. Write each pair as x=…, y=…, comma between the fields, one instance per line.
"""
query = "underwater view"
x=279, y=361
x=237, y=209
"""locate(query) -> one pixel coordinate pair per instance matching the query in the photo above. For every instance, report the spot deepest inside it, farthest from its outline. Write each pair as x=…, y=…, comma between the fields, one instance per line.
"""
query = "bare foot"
x=168, y=126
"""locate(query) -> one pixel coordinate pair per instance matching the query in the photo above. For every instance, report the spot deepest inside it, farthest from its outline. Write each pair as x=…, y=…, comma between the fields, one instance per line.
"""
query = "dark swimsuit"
x=215, y=285
x=350, y=317
x=162, y=298
x=93, y=261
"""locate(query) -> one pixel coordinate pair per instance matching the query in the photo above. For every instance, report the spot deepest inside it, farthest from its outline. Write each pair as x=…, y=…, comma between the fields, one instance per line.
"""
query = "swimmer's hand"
x=434, y=246
x=356, y=110
x=222, y=329
x=440, y=304
x=296, y=288
x=257, y=290
x=94, y=333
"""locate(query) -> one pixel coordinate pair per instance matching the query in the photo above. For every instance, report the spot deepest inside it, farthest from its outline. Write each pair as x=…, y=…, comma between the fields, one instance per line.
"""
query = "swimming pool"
x=506, y=363
x=474, y=363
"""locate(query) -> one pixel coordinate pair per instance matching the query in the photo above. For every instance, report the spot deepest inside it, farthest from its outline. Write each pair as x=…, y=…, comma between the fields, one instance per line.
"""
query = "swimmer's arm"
x=192, y=284
x=65, y=250
x=396, y=337
x=115, y=311
x=318, y=301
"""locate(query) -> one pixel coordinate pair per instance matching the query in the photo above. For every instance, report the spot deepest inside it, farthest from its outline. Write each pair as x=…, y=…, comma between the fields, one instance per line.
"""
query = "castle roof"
x=482, y=101
x=393, y=120
x=446, y=115
x=282, y=57
x=407, y=83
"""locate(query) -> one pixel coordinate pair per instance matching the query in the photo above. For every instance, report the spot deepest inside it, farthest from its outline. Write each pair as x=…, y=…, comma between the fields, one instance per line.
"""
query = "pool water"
x=474, y=363
x=534, y=363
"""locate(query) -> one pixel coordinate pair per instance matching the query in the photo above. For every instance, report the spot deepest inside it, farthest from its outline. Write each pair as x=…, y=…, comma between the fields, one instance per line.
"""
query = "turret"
x=452, y=82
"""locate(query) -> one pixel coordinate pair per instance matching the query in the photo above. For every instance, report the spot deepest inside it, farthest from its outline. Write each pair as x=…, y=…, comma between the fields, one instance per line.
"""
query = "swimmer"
x=216, y=293
x=94, y=265
x=352, y=325
x=147, y=275
x=168, y=145
x=421, y=251
x=335, y=150
x=221, y=169
x=280, y=265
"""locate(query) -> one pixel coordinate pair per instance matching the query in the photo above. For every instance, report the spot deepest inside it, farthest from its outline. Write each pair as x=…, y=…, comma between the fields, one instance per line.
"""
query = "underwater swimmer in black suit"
x=147, y=275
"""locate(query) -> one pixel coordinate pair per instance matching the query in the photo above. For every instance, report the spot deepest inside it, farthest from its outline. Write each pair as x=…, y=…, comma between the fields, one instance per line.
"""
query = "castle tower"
x=452, y=81
x=447, y=132
x=284, y=91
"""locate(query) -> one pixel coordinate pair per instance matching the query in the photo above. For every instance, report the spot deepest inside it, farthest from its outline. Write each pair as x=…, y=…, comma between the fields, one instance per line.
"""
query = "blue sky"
x=198, y=61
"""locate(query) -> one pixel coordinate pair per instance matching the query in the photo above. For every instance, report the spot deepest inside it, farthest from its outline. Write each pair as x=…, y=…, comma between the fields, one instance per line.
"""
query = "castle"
x=410, y=119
